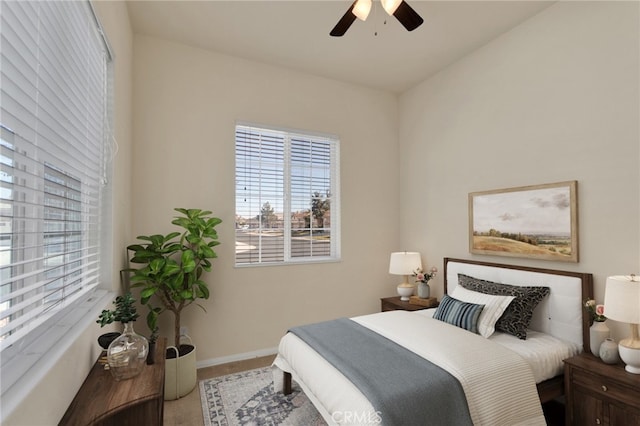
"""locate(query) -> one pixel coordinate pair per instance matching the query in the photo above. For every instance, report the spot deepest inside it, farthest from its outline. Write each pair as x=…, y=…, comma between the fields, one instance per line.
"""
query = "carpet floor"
x=248, y=398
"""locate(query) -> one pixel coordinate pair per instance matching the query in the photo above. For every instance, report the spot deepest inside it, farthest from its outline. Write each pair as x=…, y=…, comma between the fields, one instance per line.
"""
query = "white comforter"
x=544, y=353
x=498, y=384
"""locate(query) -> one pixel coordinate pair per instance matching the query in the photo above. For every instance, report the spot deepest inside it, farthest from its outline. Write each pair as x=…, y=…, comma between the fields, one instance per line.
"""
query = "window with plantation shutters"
x=54, y=123
x=287, y=197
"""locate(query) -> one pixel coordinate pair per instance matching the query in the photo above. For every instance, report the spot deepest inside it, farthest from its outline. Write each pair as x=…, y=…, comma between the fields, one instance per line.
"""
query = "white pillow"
x=494, y=307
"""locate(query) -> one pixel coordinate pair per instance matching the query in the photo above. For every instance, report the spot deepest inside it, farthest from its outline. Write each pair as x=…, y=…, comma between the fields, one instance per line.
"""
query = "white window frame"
x=34, y=350
x=290, y=200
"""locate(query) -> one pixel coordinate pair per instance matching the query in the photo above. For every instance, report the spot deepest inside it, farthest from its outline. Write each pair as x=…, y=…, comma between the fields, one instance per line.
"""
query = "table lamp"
x=404, y=263
x=622, y=303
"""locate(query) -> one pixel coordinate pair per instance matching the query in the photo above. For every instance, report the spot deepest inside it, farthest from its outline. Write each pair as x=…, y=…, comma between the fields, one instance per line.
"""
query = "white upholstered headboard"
x=561, y=314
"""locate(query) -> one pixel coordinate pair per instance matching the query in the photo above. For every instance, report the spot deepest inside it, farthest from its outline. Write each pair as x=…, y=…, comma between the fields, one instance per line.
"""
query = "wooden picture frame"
x=538, y=221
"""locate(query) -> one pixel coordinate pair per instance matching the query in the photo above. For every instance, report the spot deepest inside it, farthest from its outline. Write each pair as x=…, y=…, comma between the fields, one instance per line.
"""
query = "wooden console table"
x=102, y=400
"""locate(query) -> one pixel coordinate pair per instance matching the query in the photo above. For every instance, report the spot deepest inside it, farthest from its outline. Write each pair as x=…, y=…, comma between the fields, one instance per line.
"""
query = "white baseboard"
x=236, y=357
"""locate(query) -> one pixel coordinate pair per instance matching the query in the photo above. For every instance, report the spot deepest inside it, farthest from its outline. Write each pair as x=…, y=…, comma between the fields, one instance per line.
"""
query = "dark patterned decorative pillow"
x=517, y=316
x=458, y=313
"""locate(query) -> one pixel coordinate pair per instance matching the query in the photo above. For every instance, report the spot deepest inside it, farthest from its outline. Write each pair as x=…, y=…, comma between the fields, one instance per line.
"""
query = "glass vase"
x=127, y=355
x=597, y=334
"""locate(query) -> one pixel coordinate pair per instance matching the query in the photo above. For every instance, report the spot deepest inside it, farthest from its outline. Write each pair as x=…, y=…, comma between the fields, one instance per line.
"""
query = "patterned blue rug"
x=248, y=399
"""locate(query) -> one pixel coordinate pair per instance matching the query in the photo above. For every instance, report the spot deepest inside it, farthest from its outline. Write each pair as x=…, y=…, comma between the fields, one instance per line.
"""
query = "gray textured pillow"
x=517, y=316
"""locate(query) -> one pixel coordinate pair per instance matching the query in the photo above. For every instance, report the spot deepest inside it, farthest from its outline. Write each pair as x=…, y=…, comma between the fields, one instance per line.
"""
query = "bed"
x=502, y=377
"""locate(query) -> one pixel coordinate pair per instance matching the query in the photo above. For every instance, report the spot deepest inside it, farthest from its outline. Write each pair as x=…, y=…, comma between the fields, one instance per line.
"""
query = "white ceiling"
x=295, y=34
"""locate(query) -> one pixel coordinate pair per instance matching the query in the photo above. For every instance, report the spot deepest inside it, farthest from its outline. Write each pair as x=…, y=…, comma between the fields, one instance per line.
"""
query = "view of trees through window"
x=286, y=196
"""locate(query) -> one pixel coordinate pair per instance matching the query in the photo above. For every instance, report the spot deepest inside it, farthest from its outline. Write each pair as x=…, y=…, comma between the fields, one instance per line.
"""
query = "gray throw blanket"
x=403, y=388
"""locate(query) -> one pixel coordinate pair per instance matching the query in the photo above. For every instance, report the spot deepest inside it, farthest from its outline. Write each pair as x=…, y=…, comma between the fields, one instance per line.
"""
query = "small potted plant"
x=152, y=323
x=123, y=313
x=127, y=354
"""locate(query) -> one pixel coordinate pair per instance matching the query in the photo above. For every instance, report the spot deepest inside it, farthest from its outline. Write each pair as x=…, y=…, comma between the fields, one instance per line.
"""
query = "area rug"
x=248, y=399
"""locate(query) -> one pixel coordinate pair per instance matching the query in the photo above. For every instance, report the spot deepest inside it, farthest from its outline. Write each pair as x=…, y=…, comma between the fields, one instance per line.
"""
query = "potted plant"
x=127, y=353
x=152, y=323
x=171, y=272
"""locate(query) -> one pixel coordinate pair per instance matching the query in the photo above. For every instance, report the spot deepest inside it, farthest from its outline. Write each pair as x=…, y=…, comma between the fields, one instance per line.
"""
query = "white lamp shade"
x=404, y=262
x=390, y=6
x=361, y=9
x=622, y=299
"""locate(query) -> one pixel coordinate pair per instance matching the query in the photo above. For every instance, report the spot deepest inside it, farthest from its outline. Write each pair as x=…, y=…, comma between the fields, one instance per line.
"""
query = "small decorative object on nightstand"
x=598, y=333
x=422, y=278
x=599, y=329
x=426, y=302
x=600, y=394
x=609, y=351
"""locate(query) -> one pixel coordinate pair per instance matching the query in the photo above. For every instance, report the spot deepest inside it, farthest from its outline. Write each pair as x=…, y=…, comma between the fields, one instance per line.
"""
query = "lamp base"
x=405, y=291
x=633, y=370
x=631, y=357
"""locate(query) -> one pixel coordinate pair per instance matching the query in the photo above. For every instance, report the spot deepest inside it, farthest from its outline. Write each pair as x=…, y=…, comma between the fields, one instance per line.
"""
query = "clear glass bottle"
x=127, y=354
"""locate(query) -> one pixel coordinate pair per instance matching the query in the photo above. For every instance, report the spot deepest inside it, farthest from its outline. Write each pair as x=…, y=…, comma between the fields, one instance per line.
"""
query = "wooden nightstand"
x=600, y=394
x=395, y=304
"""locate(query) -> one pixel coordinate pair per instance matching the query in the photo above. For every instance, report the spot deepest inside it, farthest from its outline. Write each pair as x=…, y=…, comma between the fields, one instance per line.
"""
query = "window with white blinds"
x=287, y=197
x=54, y=119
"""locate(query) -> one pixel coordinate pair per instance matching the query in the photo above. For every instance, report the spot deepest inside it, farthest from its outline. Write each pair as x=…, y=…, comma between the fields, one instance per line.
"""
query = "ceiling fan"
x=360, y=9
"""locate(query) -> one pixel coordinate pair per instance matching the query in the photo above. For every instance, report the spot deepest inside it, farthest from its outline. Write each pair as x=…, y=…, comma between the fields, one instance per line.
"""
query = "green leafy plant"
x=125, y=311
x=174, y=263
x=152, y=323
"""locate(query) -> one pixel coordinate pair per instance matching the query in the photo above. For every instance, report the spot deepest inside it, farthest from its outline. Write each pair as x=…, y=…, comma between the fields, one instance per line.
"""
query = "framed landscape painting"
x=539, y=221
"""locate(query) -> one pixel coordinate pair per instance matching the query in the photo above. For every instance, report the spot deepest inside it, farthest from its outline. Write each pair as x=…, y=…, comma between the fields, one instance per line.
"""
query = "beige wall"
x=186, y=103
x=46, y=403
x=552, y=100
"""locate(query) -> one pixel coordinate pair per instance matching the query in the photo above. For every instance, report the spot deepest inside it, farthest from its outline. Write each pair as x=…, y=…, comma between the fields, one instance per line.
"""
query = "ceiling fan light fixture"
x=404, y=13
x=361, y=9
x=390, y=6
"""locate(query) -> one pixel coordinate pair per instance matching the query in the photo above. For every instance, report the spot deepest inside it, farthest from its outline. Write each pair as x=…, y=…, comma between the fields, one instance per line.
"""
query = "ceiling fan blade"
x=344, y=23
x=407, y=16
